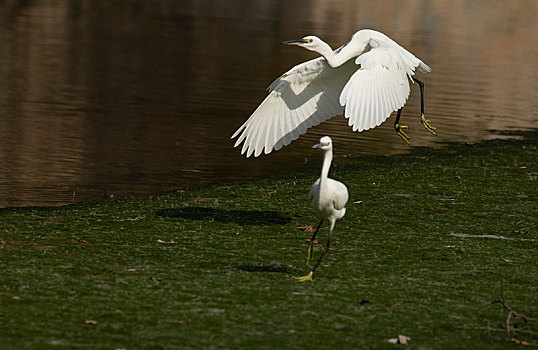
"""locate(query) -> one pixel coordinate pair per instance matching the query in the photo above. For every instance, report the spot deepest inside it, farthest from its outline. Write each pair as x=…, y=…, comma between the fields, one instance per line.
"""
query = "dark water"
x=139, y=97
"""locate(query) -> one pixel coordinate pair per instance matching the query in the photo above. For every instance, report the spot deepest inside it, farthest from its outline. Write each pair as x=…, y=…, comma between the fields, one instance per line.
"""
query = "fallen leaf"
x=131, y=270
x=16, y=297
x=506, y=260
x=270, y=193
x=455, y=317
x=164, y=242
x=523, y=342
x=357, y=202
x=402, y=339
x=508, y=215
x=306, y=228
x=90, y=322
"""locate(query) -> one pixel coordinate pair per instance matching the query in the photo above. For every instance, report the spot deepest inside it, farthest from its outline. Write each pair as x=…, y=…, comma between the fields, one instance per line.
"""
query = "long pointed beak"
x=319, y=145
x=294, y=42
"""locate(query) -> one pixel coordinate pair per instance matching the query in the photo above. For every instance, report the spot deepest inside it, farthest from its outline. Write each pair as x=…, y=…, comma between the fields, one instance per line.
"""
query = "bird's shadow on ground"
x=240, y=217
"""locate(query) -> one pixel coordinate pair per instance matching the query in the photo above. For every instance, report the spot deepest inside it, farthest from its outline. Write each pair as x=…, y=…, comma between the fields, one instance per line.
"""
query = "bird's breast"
x=323, y=207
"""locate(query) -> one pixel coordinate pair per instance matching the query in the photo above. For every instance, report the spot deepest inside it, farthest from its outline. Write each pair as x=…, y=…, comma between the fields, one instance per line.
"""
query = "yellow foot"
x=306, y=277
x=309, y=254
x=427, y=125
x=399, y=130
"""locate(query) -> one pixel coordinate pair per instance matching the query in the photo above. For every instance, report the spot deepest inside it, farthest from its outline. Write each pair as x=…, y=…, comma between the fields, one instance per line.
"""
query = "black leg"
x=316, y=232
x=311, y=244
x=399, y=128
x=421, y=85
x=308, y=277
x=423, y=120
x=397, y=121
x=324, y=251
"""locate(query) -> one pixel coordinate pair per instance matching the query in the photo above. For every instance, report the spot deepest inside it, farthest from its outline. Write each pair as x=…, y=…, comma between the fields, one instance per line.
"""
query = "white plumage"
x=367, y=89
x=328, y=199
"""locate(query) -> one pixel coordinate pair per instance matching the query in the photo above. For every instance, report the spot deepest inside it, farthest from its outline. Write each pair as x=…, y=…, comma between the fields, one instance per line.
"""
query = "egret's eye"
x=309, y=41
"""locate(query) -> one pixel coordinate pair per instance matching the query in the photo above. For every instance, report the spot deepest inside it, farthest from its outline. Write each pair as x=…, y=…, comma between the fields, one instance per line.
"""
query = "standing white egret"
x=367, y=90
x=328, y=199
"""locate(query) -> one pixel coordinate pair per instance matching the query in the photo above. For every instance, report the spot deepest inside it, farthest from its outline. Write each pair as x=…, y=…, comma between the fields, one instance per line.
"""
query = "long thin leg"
x=324, y=252
x=399, y=128
x=421, y=85
x=309, y=254
x=423, y=120
x=308, y=277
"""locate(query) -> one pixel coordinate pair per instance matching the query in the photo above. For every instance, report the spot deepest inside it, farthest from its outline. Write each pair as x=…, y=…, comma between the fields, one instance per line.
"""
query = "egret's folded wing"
x=377, y=89
x=341, y=196
x=301, y=98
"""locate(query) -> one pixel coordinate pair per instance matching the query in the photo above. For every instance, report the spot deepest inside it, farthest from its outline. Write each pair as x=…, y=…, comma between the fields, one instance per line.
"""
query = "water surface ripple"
x=101, y=98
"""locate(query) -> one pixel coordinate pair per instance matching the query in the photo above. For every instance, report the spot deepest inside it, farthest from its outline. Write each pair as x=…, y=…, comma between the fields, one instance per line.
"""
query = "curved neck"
x=335, y=59
x=327, y=160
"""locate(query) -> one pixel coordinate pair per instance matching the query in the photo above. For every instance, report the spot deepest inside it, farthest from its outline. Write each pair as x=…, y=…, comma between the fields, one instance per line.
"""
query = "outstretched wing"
x=380, y=86
x=301, y=98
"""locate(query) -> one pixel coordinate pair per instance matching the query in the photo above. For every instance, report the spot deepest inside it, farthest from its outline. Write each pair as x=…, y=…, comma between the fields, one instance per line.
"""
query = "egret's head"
x=324, y=143
x=310, y=42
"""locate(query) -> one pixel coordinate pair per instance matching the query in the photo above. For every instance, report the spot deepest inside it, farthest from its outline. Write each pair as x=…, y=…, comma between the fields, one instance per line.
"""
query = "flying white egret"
x=367, y=90
x=328, y=199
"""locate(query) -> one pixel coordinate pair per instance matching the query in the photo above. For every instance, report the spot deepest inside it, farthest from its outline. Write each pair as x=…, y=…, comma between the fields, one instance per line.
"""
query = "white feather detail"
x=379, y=87
x=367, y=90
x=301, y=98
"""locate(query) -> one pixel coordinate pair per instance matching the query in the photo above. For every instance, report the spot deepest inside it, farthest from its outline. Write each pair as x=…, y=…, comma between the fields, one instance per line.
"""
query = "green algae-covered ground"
x=438, y=236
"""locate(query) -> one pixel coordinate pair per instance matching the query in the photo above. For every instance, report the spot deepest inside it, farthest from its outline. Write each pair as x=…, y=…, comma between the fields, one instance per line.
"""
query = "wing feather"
x=313, y=92
x=382, y=81
x=303, y=97
x=341, y=194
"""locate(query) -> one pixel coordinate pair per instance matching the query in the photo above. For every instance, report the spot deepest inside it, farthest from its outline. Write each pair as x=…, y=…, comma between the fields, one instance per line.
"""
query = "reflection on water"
x=102, y=98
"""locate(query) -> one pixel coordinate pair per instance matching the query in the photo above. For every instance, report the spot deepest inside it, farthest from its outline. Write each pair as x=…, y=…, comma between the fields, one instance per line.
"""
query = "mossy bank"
x=430, y=241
